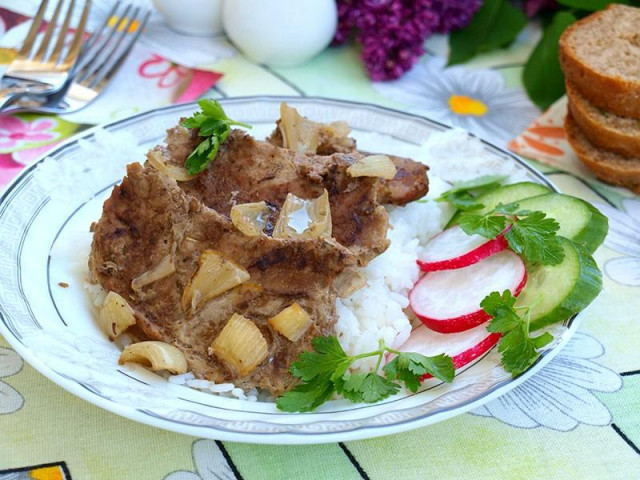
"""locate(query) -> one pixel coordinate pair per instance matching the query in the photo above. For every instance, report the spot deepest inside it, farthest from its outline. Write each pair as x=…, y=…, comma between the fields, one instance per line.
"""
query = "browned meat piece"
x=149, y=217
x=409, y=184
x=246, y=170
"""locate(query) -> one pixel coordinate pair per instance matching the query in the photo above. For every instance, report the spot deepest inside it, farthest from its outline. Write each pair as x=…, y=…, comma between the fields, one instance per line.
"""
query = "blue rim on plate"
x=57, y=336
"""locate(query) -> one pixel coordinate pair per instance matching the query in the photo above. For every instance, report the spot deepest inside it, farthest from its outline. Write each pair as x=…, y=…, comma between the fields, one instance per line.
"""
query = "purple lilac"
x=392, y=32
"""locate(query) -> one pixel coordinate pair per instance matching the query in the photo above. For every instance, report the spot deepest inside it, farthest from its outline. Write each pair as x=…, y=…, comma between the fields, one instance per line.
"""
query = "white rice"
x=375, y=312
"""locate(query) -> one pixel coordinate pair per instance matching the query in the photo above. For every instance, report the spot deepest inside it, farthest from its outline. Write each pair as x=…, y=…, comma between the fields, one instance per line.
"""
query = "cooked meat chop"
x=246, y=170
x=149, y=216
x=409, y=184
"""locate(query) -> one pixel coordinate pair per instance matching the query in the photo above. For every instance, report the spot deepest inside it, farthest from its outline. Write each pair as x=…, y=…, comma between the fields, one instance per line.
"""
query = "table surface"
x=577, y=418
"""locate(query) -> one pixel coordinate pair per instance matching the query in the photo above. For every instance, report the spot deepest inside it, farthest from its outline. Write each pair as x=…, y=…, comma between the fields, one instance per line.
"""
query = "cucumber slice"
x=505, y=194
x=579, y=220
x=559, y=291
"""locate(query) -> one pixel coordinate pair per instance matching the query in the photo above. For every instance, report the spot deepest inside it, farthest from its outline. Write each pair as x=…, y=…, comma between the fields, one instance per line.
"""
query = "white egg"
x=280, y=32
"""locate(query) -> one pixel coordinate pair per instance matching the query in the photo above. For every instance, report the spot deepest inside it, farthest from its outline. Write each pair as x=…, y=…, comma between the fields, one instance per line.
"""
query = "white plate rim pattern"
x=304, y=428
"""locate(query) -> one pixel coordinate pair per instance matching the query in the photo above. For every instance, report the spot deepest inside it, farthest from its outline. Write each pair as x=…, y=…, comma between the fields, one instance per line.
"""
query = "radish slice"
x=448, y=301
x=453, y=248
x=463, y=347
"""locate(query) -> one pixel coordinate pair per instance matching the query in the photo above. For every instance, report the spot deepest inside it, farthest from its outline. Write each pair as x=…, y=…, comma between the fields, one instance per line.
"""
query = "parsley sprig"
x=324, y=372
x=518, y=349
x=462, y=195
x=531, y=233
x=212, y=124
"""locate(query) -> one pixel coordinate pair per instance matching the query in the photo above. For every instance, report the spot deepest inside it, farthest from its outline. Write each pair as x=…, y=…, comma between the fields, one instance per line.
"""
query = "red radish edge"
x=483, y=251
x=463, y=347
x=470, y=355
x=466, y=321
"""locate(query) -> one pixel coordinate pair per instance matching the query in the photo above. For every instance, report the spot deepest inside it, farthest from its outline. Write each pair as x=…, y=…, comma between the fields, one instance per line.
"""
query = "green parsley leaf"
x=460, y=194
x=213, y=124
x=534, y=237
x=488, y=226
x=308, y=396
x=483, y=182
x=329, y=358
x=518, y=349
x=323, y=372
x=410, y=367
x=367, y=388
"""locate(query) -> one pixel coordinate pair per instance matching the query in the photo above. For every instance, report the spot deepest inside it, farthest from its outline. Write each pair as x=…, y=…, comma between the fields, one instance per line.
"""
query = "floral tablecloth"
x=578, y=418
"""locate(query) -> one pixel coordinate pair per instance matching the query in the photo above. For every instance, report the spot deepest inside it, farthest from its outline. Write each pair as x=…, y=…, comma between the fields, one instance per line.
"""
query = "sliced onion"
x=116, y=315
x=249, y=218
x=240, y=345
x=155, y=355
x=373, y=166
x=178, y=173
x=349, y=282
x=298, y=133
x=291, y=322
x=304, y=218
x=214, y=276
x=163, y=269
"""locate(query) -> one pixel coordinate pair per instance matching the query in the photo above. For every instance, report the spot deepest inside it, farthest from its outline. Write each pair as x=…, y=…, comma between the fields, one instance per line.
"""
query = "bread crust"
x=612, y=93
x=622, y=171
x=599, y=133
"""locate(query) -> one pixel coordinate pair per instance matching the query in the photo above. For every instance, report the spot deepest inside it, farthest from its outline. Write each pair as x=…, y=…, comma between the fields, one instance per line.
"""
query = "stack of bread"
x=600, y=57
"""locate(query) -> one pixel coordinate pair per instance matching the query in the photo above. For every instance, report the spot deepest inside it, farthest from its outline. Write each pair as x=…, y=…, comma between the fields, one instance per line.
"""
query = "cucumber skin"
x=586, y=289
x=543, y=190
x=593, y=233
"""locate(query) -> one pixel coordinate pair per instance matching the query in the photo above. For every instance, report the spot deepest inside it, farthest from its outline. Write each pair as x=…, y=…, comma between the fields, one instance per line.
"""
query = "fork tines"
x=32, y=54
x=110, y=45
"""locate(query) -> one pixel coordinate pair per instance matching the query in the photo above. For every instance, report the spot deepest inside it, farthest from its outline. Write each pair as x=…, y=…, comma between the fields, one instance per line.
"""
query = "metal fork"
x=38, y=69
x=106, y=51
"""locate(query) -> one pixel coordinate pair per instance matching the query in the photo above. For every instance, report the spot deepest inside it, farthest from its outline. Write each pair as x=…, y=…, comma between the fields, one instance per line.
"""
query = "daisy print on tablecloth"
x=10, y=364
x=474, y=99
x=560, y=396
x=623, y=237
x=209, y=461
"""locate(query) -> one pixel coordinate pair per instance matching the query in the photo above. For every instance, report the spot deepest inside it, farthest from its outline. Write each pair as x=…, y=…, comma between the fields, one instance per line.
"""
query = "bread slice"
x=600, y=56
x=603, y=129
x=608, y=166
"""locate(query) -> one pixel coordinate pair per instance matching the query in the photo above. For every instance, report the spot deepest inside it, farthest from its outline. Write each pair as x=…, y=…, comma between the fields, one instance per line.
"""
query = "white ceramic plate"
x=44, y=220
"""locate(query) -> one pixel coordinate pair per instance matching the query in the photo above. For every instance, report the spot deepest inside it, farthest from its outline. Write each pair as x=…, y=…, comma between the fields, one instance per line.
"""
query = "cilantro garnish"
x=324, y=372
x=213, y=124
x=461, y=197
x=531, y=234
x=518, y=349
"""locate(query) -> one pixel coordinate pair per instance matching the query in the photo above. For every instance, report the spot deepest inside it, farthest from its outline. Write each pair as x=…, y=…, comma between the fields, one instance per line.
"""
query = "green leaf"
x=307, y=396
x=464, y=201
x=328, y=358
x=542, y=340
x=542, y=77
x=518, y=351
x=410, y=367
x=488, y=226
x=367, y=388
x=496, y=24
x=501, y=308
x=591, y=5
x=534, y=237
x=484, y=181
x=212, y=109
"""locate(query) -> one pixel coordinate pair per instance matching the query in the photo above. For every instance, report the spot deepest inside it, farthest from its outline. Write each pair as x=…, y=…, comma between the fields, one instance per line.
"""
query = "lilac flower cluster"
x=392, y=32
